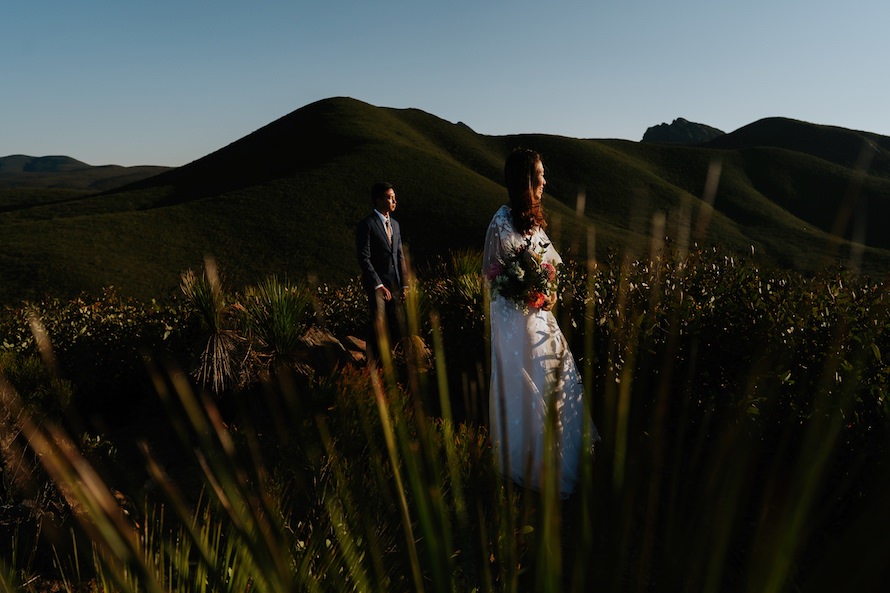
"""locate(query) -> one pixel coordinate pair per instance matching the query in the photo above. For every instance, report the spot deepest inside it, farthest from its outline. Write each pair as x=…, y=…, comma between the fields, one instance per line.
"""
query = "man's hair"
x=519, y=174
x=378, y=190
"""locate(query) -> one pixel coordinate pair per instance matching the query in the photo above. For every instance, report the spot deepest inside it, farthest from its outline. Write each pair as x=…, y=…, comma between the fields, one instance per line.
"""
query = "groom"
x=378, y=242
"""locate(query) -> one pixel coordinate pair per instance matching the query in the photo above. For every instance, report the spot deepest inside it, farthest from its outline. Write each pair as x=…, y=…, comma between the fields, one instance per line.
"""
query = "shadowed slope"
x=23, y=177
x=834, y=179
x=847, y=148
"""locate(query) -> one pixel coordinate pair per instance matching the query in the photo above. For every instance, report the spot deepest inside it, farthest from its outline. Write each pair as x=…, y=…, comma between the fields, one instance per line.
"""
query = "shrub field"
x=232, y=438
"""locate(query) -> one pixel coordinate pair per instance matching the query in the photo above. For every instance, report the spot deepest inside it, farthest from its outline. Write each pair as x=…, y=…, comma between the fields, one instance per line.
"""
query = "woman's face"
x=538, y=181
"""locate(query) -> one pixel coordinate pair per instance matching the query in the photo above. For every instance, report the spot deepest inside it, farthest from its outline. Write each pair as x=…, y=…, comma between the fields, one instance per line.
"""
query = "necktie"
x=388, y=229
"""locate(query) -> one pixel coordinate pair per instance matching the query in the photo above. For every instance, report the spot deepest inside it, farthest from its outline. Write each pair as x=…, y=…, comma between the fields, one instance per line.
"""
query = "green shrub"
x=100, y=344
x=274, y=316
x=454, y=289
x=343, y=309
x=453, y=302
x=44, y=393
x=247, y=335
x=743, y=411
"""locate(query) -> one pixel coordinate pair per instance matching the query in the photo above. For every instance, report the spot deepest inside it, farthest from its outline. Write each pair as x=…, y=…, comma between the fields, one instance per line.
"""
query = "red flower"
x=537, y=299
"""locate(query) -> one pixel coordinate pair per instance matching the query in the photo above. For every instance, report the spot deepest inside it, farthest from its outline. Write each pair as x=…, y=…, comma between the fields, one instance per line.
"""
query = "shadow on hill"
x=835, y=179
x=847, y=148
x=300, y=141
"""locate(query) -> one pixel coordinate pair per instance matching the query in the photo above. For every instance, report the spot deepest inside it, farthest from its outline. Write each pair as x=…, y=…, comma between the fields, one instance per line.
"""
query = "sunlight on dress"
x=534, y=380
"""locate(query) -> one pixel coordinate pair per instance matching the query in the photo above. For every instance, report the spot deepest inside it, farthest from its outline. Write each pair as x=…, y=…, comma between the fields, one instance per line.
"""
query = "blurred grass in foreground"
x=744, y=421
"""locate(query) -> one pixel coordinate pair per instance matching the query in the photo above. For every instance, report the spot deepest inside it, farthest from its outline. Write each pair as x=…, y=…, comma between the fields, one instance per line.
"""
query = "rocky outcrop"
x=681, y=131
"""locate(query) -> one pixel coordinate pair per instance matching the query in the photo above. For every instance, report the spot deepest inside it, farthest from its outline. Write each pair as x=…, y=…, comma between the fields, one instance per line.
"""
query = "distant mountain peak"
x=20, y=163
x=681, y=131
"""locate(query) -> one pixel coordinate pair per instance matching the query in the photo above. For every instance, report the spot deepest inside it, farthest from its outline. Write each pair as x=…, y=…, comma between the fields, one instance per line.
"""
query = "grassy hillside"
x=21, y=172
x=285, y=200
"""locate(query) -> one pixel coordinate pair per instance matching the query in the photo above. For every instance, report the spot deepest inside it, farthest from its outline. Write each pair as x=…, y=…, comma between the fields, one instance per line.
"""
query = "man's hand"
x=384, y=291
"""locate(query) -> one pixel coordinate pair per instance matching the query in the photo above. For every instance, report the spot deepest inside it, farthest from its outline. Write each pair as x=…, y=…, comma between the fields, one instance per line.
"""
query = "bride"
x=536, y=397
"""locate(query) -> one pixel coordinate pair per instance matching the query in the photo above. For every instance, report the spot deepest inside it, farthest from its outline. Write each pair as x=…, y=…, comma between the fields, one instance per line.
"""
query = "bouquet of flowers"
x=523, y=276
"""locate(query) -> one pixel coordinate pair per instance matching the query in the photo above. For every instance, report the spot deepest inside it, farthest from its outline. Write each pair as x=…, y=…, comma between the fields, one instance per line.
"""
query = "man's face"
x=387, y=203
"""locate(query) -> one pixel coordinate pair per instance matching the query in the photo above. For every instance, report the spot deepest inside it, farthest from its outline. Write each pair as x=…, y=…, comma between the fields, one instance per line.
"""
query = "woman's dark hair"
x=519, y=176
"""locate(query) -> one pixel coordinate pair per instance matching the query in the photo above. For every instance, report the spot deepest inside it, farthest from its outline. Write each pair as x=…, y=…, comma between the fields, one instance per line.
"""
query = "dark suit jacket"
x=381, y=261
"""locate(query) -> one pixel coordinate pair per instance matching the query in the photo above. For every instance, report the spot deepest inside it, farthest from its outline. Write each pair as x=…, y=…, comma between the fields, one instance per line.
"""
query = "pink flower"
x=550, y=270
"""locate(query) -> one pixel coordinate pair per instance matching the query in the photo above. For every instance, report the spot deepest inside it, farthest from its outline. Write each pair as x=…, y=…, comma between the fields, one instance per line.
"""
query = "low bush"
x=743, y=411
x=99, y=344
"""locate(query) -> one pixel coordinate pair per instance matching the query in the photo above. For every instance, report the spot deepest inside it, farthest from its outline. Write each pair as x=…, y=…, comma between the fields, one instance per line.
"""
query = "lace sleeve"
x=499, y=239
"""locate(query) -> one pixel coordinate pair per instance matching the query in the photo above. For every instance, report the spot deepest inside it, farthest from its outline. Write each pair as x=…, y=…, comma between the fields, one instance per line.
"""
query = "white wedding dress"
x=532, y=372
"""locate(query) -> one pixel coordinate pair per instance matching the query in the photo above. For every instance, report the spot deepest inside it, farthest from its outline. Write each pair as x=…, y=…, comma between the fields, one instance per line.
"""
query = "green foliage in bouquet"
x=524, y=277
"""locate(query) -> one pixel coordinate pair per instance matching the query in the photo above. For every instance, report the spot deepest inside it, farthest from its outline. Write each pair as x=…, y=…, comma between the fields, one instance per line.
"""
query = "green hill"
x=21, y=172
x=285, y=200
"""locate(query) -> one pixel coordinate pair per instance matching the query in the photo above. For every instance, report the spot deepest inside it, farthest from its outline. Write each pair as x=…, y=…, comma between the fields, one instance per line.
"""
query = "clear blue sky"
x=165, y=82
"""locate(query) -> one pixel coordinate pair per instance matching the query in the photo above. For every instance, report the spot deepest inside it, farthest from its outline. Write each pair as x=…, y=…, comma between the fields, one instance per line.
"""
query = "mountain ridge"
x=20, y=163
x=19, y=171
x=285, y=198
x=849, y=148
